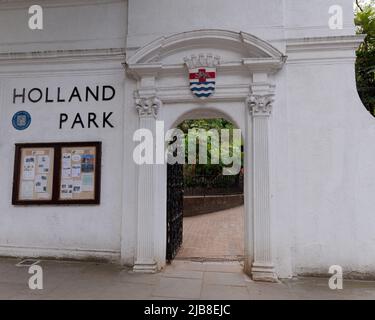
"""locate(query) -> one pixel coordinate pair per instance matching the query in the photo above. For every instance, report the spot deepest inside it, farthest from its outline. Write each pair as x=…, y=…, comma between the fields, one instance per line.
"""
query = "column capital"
x=148, y=107
x=260, y=104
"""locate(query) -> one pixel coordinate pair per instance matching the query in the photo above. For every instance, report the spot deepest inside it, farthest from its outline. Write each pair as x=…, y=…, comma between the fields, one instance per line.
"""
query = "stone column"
x=260, y=107
x=148, y=109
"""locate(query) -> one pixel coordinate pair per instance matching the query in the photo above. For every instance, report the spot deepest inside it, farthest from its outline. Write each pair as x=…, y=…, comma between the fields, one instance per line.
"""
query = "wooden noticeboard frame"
x=42, y=177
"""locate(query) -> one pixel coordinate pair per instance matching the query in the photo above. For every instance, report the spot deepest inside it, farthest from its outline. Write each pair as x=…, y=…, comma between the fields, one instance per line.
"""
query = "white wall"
x=331, y=170
x=149, y=20
x=68, y=25
x=310, y=18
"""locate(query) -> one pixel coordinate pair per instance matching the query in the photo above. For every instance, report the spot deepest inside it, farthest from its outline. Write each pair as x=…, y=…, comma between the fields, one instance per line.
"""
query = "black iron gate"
x=175, y=203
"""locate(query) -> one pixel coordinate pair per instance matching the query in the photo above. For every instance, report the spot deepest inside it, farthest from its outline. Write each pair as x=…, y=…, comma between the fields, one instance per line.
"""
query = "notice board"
x=57, y=173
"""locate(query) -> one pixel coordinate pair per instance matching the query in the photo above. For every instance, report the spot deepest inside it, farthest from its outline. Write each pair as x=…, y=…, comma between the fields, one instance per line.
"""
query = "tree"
x=365, y=65
x=208, y=169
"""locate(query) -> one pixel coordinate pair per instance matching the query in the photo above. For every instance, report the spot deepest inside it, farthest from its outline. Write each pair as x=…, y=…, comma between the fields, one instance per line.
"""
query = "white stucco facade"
x=310, y=174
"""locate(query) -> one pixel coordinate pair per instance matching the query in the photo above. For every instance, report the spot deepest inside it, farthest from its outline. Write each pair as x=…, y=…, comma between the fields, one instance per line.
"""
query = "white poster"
x=43, y=164
x=76, y=158
x=67, y=189
x=67, y=160
x=41, y=183
x=27, y=190
x=77, y=186
x=76, y=170
x=66, y=165
x=66, y=173
x=28, y=168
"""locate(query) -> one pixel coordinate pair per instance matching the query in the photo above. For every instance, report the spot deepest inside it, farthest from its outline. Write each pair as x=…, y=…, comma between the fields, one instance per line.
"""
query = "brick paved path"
x=218, y=235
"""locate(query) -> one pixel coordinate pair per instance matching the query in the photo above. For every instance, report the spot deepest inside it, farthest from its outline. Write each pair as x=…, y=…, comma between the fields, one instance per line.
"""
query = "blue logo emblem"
x=21, y=120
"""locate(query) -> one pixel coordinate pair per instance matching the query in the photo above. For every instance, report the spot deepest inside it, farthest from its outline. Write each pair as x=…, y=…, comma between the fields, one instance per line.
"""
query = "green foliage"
x=365, y=65
x=206, y=124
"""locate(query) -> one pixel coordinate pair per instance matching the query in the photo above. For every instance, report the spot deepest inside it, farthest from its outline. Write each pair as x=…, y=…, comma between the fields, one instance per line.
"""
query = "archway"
x=205, y=198
x=245, y=91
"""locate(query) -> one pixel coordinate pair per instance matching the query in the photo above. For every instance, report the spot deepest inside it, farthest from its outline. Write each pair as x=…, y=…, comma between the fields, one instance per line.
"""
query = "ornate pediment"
x=204, y=62
x=236, y=49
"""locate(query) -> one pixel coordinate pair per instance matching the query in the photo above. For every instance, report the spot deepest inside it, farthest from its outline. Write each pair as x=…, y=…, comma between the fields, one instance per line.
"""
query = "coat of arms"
x=202, y=74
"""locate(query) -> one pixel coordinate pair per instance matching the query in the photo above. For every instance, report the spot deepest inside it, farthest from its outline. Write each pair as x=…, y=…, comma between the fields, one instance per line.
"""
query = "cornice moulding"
x=63, y=56
x=321, y=60
x=324, y=43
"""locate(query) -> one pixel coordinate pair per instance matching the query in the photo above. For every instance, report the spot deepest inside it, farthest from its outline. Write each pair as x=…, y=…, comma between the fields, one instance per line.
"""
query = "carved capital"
x=148, y=107
x=260, y=105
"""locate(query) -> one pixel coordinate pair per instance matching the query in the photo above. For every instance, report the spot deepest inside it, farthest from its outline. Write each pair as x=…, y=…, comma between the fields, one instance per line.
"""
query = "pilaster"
x=260, y=103
x=148, y=109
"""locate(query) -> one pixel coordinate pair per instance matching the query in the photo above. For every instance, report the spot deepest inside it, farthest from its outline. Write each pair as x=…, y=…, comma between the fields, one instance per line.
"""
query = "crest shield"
x=202, y=81
x=202, y=74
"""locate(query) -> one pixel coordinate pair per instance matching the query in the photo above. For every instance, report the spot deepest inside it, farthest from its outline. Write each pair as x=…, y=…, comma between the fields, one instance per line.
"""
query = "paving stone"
x=218, y=292
x=178, y=288
x=128, y=291
x=131, y=277
x=226, y=278
x=185, y=274
x=28, y=294
x=101, y=271
x=10, y=290
x=224, y=267
x=272, y=291
x=16, y=275
x=186, y=265
x=77, y=289
x=166, y=298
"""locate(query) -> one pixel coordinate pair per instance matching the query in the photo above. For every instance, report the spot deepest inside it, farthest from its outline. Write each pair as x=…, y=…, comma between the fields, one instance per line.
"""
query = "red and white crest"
x=202, y=74
x=202, y=81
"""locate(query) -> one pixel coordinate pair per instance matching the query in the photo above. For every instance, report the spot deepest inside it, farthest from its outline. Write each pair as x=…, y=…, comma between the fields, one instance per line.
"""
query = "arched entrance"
x=205, y=198
x=245, y=91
